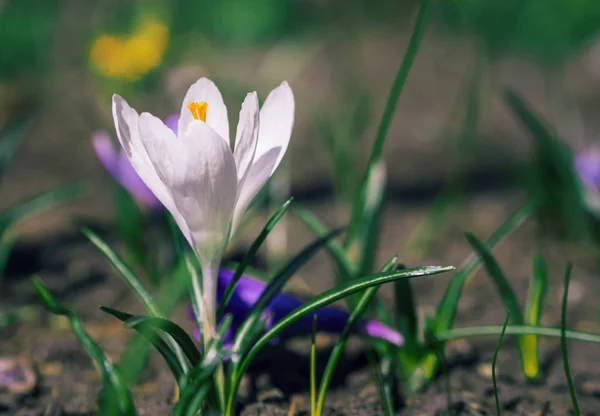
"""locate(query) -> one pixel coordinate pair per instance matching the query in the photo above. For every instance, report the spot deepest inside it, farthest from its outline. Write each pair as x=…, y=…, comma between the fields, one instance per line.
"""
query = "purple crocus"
x=587, y=167
x=118, y=165
x=329, y=319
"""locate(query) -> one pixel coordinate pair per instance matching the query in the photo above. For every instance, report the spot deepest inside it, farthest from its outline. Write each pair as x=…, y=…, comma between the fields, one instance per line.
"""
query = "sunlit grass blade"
x=496, y=398
x=313, y=368
x=338, y=349
x=386, y=118
x=446, y=310
x=136, y=286
x=275, y=286
x=154, y=339
x=493, y=268
x=563, y=340
x=41, y=202
x=11, y=136
x=171, y=328
x=533, y=313
x=319, y=301
x=249, y=256
x=116, y=397
x=346, y=268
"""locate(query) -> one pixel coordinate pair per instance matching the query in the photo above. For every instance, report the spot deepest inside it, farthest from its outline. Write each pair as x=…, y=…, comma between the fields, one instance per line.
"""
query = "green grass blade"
x=319, y=301
x=11, y=137
x=41, y=202
x=249, y=256
x=275, y=286
x=136, y=286
x=563, y=340
x=171, y=328
x=446, y=310
x=495, y=330
x=153, y=338
x=345, y=267
x=115, y=391
x=493, y=268
x=533, y=313
x=338, y=349
x=406, y=314
x=126, y=273
x=387, y=116
x=313, y=369
x=496, y=398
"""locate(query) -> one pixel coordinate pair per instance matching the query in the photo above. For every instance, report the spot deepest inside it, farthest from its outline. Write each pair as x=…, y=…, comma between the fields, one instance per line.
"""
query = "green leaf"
x=274, y=287
x=11, y=137
x=40, y=203
x=338, y=349
x=563, y=339
x=175, y=331
x=533, y=313
x=115, y=391
x=313, y=368
x=323, y=299
x=446, y=310
x=157, y=342
x=386, y=118
x=345, y=267
x=493, y=268
x=133, y=282
x=497, y=400
x=249, y=256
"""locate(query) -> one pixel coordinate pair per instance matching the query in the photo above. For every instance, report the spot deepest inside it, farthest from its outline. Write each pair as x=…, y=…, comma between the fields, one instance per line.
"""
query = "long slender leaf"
x=446, y=310
x=563, y=340
x=157, y=342
x=493, y=268
x=323, y=299
x=133, y=282
x=533, y=314
x=116, y=392
x=345, y=267
x=249, y=256
x=338, y=349
x=497, y=399
x=11, y=137
x=171, y=328
x=387, y=116
x=275, y=286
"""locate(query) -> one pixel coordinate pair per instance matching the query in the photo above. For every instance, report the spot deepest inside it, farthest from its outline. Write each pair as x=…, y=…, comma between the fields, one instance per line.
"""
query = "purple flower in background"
x=329, y=319
x=587, y=166
x=115, y=161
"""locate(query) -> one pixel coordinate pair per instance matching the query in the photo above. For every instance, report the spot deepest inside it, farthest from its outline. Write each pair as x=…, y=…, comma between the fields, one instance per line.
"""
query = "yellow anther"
x=198, y=109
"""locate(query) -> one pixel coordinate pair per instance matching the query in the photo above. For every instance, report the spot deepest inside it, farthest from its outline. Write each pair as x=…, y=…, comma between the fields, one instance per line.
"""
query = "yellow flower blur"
x=130, y=57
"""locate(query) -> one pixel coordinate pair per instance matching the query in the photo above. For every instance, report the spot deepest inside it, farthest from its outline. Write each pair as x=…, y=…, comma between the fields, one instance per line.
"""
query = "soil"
x=277, y=383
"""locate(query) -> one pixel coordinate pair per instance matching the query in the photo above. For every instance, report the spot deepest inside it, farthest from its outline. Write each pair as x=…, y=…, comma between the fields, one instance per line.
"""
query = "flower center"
x=198, y=110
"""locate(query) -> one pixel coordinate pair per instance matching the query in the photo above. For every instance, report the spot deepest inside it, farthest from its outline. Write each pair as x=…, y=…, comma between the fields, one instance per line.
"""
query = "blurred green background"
x=62, y=61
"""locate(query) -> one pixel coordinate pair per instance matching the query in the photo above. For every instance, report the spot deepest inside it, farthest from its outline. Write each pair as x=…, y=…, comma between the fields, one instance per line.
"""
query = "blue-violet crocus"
x=329, y=319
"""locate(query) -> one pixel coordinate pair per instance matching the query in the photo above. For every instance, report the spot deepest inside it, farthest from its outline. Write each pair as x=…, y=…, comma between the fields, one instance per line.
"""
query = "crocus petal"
x=376, y=329
x=204, y=187
x=276, y=122
x=246, y=136
x=258, y=174
x=216, y=115
x=127, y=126
x=106, y=152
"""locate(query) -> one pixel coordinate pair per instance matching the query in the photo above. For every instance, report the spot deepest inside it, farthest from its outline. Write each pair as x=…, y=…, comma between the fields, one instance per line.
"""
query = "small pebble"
x=485, y=370
x=17, y=375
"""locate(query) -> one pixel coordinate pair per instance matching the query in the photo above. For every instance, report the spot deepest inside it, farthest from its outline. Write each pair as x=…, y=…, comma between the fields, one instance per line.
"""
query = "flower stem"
x=209, y=298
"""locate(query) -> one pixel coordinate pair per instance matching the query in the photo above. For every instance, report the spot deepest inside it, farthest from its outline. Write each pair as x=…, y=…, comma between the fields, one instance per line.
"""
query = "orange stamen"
x=198, y=110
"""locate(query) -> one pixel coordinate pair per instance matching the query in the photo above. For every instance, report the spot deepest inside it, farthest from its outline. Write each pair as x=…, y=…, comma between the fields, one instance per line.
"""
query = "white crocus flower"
x=195, y=175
